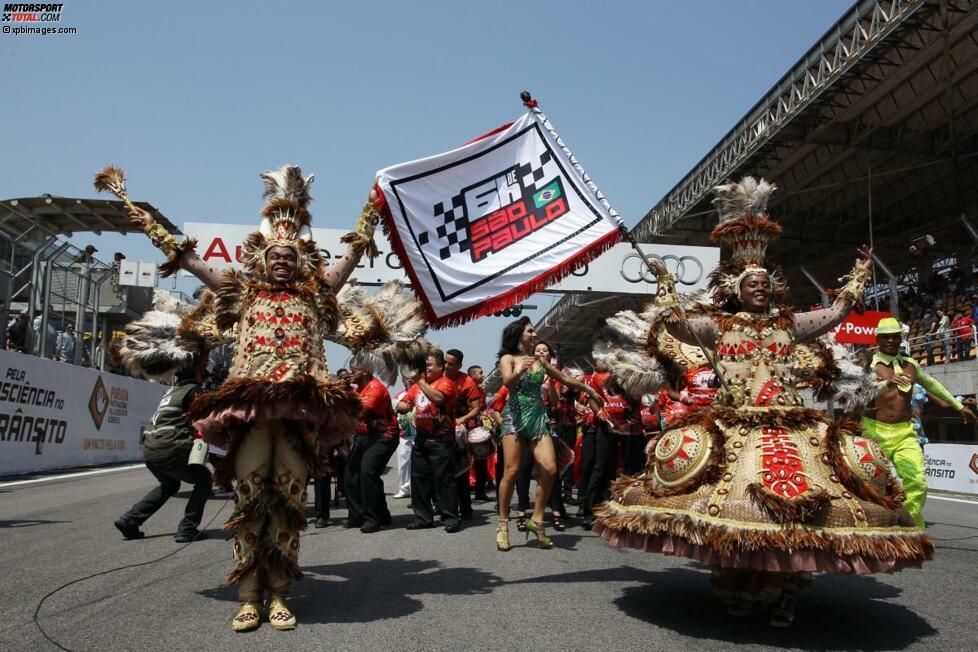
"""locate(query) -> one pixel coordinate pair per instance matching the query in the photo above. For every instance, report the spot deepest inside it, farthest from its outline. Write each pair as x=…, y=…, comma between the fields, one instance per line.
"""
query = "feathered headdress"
x=286, y=222
x=746, y=228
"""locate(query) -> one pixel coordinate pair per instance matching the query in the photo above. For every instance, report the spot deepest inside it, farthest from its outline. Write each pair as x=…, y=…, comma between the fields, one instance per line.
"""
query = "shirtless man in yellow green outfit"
x=891, y=426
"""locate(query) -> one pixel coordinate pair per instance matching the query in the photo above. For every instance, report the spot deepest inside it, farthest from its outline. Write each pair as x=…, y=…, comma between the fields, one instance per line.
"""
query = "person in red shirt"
x=962, y=329
x=496, y=408
x=373, y=446
x=565, y=416
x=618, y=423
x=468, y=405
x=625, y=416
x=589, y=449
x=433, y=398
x=481, y=466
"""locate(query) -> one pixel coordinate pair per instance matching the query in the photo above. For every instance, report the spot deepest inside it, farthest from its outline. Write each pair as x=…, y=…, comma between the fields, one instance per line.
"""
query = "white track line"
x=71, y=476
x=953, y=500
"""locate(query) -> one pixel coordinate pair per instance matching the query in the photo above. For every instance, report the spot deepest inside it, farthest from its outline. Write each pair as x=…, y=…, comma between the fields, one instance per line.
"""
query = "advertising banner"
x=220, y=246
x=55, y=415
x=952, y=467
x=620, y=269
x=859, y=329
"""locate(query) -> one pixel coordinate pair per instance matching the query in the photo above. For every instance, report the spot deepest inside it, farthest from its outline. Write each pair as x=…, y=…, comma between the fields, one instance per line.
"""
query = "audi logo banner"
x=622, y=270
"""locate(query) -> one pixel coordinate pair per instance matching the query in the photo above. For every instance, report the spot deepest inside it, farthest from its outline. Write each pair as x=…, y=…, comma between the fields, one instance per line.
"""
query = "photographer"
x=165, y=449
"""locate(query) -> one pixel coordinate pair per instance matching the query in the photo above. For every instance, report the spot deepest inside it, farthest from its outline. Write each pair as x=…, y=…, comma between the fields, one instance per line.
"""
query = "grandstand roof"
x=38, y=217
x=876, y=124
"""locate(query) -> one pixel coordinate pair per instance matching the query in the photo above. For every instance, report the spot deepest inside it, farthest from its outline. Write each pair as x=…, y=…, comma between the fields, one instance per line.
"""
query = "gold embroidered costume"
x=279, y=405
x=756, y=482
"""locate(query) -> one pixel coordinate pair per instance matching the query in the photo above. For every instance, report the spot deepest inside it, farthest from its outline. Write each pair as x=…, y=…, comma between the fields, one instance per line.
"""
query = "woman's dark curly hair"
x=510, y=343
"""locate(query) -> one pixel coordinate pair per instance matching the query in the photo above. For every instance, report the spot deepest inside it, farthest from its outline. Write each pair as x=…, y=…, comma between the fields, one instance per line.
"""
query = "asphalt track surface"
x=403, y=590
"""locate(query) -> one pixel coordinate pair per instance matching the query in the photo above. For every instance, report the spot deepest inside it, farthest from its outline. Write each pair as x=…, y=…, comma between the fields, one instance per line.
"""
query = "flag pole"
x=627, y=235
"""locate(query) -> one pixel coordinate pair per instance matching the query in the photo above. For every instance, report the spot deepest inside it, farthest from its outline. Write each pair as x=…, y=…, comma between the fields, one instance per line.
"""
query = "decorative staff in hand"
x=112, y=179
x=656, y=266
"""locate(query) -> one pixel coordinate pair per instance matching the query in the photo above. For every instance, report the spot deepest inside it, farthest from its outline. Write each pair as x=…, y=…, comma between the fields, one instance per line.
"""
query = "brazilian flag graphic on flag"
x=547, y=195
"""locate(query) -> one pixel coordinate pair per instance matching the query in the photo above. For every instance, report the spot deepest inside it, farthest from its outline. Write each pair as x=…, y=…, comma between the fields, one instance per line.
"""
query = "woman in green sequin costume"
x=526, y=424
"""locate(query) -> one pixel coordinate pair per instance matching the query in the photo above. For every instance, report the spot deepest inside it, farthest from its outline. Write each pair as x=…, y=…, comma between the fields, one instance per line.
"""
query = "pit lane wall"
x=55, y=415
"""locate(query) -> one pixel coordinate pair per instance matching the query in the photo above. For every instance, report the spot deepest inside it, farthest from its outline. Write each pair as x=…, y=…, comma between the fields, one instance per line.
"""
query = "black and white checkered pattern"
x=453, y=233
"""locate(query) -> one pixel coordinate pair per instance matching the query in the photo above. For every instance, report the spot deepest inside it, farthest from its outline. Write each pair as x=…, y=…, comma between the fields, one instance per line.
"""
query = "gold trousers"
x=270, y=501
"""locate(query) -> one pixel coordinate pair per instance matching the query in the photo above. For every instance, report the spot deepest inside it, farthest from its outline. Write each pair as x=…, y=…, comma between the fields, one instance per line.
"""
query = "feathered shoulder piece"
x=170, y=337
x=674, y=356
x=620, y=346
x=229, y=298
x=385, y=330
x=833, y=372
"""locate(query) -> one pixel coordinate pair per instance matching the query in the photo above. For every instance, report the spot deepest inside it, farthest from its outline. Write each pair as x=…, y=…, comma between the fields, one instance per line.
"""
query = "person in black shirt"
x=165, y=450
x=17, y=334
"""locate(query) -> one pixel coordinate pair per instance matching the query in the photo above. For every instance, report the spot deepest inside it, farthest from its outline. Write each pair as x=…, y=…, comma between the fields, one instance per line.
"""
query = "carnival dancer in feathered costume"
x=760, y=488
x=279, y=404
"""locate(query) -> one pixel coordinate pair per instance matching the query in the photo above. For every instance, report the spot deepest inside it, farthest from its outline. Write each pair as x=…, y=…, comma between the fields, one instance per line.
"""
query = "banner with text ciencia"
x=618, y=270
x=55, y=415
x=952, y=467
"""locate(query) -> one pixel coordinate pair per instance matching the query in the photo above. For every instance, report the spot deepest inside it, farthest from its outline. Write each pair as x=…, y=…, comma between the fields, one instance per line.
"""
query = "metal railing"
x=54, y=283
x=947, y=342
x=851, y=39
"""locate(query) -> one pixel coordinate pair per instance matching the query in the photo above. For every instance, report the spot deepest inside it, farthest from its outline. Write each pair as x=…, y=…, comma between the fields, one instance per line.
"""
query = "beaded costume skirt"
x=325, y=408
x=770, y=489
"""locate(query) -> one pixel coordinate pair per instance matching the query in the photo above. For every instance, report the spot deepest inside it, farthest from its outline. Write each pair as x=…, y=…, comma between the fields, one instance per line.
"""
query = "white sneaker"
x=402, y=494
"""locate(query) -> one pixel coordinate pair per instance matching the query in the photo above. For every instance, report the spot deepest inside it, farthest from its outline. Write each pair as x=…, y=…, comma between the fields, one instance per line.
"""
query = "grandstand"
x=872, y=137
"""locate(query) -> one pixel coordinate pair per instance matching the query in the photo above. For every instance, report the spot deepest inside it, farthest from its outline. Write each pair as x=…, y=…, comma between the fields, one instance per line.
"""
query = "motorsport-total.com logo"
x=32, y=12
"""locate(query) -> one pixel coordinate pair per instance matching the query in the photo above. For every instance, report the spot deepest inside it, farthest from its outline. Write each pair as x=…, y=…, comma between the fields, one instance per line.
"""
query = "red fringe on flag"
x=503, y=301
x=489, y=133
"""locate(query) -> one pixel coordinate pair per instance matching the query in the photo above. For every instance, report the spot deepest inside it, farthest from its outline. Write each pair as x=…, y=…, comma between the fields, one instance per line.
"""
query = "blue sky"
x=195, y=99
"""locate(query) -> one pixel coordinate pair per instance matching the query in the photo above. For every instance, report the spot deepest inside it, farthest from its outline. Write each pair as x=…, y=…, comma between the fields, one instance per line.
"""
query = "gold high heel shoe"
x=502, y=536
x=279, y=615
x=543, y=541
x=247, y=617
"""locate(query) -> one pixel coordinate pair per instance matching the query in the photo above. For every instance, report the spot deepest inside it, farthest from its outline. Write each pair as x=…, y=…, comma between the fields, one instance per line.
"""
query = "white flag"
x=483, y=226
